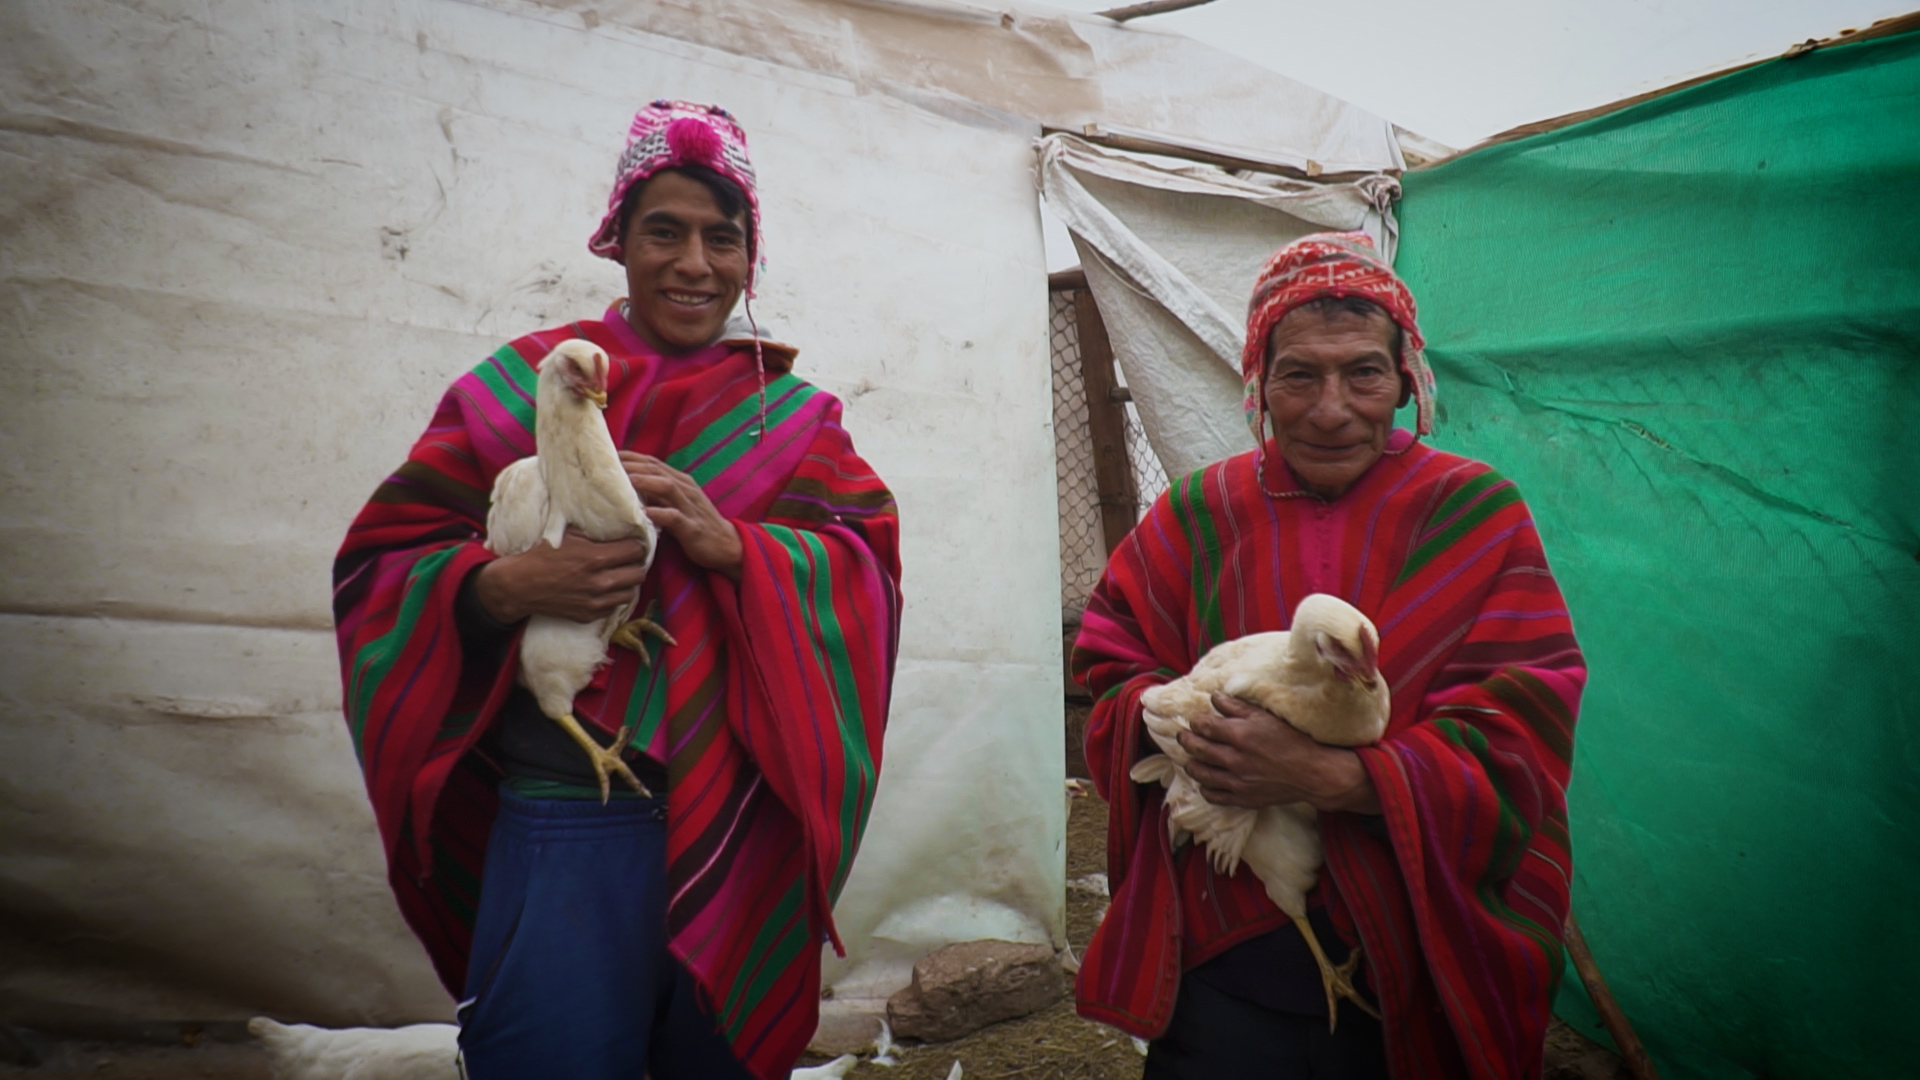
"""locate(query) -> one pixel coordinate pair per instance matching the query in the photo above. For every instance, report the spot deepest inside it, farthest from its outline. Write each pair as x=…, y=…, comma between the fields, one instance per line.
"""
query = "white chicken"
x=305, y=1052
x=573, y=480
x=1323, y=677
x=419, y=1052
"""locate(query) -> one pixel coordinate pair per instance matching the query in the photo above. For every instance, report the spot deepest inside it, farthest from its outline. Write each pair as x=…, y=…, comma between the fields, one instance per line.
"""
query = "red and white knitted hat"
x=668, y=134
x=1322, y=265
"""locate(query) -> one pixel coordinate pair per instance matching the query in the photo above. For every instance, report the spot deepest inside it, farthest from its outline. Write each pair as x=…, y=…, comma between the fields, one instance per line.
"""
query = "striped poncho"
x=1460, y=914
x=768, y=713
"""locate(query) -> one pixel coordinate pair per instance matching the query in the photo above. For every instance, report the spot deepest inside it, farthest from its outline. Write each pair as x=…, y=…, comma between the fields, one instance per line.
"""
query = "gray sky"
x=1460, y=71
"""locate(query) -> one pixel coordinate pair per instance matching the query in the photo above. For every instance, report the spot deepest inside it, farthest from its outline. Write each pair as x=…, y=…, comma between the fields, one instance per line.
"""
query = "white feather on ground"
x=883, y=1046
x=1322, y=677
x=836, y=1069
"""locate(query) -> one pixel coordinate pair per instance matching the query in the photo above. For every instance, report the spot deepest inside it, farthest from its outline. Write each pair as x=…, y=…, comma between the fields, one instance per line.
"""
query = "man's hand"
x=676, y=503
x=581, y=580
x=1248, y=757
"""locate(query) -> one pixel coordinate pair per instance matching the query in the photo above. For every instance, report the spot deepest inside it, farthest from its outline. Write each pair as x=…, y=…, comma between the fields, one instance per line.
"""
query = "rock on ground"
x=963, y=988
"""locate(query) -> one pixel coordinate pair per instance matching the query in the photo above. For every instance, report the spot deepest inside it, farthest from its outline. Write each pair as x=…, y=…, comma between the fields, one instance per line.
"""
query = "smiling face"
x=1331, y=387
x=686, y=263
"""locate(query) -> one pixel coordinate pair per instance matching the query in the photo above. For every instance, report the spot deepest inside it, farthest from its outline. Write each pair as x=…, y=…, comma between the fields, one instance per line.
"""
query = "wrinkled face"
x=686, y=264
x=1331, y=388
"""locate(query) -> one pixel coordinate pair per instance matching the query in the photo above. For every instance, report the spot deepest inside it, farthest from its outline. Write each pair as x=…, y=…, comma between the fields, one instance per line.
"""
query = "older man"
x=1447, y=856
x=676, y=936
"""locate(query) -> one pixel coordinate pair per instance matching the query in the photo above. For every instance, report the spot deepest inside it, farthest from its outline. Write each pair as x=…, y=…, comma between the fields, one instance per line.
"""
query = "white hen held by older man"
x=574, y=480
x=1323, y=677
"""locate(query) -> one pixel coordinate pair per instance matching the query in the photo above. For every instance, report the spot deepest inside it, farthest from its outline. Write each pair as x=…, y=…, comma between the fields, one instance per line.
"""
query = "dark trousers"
x=1219, y=1036
x=570, y=975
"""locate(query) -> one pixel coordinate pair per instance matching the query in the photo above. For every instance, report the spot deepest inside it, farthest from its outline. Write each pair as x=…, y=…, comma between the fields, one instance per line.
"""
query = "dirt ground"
x=75, y=1059
x=1054, y=1044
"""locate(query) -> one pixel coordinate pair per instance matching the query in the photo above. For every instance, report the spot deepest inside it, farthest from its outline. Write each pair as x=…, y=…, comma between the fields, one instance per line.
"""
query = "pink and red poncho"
x=768, y=712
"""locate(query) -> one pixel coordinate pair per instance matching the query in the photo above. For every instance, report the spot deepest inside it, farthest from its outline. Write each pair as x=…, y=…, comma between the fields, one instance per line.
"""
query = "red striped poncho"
x=768, y=712
x=1461, y=914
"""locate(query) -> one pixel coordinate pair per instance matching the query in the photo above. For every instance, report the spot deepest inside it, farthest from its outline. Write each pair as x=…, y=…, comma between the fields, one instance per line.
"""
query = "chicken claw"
x=606, y=760
x=1338, y=981
x=628, y=636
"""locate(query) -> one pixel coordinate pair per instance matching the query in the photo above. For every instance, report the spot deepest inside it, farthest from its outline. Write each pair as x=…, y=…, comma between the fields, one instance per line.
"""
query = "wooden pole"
x=1151, y=7
x=1610, y=1015
x=1119, y=140
x=1107, y=423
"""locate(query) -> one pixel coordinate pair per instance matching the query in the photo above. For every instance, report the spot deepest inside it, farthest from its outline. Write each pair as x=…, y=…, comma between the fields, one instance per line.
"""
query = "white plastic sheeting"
x=246, y=245
x=1170, y=252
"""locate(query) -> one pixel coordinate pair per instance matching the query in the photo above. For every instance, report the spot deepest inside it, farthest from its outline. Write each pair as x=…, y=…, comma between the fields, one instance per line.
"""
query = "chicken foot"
x=1338, y=981
x=606, y=760
x=628, y=637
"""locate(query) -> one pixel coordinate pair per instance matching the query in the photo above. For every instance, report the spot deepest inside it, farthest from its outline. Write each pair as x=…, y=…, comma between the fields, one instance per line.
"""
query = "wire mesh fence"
x=1149, y=478
x=1083, y=552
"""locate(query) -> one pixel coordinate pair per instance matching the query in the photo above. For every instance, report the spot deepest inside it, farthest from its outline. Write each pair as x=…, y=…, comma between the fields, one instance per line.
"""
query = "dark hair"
x=1328, y=307
x=726, y=195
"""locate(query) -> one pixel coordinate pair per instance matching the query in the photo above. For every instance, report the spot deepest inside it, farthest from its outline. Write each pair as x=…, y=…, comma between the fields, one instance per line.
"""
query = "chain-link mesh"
x=1083, y=555
x=1149, y=478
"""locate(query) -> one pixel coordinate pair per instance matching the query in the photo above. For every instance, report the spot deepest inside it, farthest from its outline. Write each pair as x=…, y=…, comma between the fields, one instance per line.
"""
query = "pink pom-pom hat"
x=666, y=134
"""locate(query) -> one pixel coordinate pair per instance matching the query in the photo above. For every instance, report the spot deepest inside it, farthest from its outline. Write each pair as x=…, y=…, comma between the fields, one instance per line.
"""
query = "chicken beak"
x=598, y=397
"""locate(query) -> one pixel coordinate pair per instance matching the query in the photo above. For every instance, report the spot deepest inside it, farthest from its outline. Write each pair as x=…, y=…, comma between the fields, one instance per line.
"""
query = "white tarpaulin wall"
x=246, y=245
x=1170, y=252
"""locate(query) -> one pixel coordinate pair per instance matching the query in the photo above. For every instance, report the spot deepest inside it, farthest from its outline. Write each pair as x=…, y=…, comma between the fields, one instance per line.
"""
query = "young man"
x=674, y=936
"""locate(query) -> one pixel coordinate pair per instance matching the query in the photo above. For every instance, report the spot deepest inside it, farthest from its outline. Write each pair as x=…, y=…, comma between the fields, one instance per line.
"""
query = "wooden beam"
x=1151, y=7
x=1615, y=1021
x=1101, y=135
x=1067, y=280
x=1107, y=423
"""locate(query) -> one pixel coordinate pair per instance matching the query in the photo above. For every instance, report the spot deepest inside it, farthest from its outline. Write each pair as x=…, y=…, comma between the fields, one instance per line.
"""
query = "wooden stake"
x=1610, y=1015
x=1107, y=423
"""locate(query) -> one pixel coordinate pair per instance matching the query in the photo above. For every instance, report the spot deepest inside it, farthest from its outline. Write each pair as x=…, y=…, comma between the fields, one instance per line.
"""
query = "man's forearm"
x=1346, y=785
x=492, y=593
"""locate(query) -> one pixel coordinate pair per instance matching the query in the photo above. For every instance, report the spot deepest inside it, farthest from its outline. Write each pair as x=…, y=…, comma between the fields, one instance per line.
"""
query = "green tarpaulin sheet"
x=1690, y=331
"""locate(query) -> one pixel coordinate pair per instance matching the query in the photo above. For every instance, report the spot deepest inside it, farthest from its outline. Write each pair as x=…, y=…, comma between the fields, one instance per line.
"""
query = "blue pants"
x=570, y=975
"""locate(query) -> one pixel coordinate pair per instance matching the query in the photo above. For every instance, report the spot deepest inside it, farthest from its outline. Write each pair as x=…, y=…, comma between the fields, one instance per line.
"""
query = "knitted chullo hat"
x=1323, y=265
x=669, y=134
